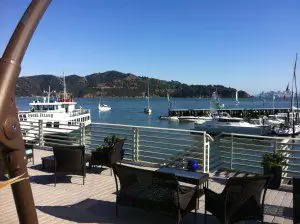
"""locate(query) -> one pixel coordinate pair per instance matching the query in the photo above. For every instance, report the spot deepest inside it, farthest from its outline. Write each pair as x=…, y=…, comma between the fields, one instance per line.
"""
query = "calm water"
x=130, y=110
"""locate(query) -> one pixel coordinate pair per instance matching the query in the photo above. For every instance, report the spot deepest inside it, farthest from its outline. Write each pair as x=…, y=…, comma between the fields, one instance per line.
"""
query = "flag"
x=287, y=88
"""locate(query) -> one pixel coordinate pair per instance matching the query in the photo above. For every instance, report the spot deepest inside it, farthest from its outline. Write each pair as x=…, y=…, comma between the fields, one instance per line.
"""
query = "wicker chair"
x=296, y=200
x=240, y=200
x=69, y=160
x=108, y=157
x=153, y=191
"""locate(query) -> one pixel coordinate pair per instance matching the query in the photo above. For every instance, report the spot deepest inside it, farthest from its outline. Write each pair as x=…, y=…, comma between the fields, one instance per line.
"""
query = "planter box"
x=275, y=180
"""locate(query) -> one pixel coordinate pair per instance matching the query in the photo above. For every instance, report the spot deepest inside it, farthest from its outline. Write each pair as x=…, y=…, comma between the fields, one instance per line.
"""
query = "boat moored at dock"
x=56, y=115
x=228, y=124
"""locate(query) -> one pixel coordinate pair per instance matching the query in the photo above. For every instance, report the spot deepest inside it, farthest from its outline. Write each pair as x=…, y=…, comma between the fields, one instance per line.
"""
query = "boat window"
x=49, y=124
x=56, y=124
x=69, y=123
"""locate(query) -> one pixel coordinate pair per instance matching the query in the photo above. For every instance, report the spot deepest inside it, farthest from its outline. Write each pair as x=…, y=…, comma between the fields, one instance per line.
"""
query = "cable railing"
x=155, y=146
x=245, y=153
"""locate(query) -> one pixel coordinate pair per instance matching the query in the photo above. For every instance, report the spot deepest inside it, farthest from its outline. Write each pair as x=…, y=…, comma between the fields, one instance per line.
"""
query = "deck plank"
x=94, y=202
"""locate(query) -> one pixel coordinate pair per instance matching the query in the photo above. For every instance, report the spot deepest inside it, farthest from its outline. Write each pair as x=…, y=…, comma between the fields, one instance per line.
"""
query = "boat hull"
x=215, y=130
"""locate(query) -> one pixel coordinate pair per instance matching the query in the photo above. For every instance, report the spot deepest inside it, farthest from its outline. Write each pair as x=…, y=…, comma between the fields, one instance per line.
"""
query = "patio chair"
x=296, y=200
x=240, y=200
x=153, y=191
x=69, y=160
x=108, y=157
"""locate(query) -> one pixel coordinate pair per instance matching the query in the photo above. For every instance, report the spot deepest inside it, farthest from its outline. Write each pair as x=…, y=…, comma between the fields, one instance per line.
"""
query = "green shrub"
x=109, y=142
x=271, y=159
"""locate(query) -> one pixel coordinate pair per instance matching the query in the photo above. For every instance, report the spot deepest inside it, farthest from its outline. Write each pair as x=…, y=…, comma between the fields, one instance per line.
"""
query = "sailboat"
x=148, y=110
x=237, y=97
x=291, y=128
x=103, y=107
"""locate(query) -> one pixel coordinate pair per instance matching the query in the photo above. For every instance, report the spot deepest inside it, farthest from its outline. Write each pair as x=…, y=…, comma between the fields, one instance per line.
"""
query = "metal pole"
x=11, y=142
x=231, y=153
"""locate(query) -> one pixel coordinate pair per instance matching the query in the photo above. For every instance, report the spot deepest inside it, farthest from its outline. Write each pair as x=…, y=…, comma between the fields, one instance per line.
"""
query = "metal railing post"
x=231, y=153
x=41, y=133
x=135, y=135
x=82, y=134
x=275, y=145
x=204, y=153
x=206, y=149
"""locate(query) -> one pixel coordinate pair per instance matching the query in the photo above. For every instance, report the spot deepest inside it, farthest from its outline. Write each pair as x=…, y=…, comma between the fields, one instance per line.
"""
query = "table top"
x=185, y=174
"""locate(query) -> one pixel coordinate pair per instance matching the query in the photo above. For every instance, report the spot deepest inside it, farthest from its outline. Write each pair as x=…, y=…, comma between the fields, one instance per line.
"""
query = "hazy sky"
x=249, y=45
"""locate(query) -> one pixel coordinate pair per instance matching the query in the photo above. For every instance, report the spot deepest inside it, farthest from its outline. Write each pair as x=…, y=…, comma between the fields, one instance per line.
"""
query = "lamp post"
x=11, y=143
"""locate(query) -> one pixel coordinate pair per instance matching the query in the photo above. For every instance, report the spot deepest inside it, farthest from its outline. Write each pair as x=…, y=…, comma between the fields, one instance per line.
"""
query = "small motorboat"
x=104, y=107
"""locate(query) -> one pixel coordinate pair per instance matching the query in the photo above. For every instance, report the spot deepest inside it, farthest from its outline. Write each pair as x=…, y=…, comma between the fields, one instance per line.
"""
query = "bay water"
x=130, y=111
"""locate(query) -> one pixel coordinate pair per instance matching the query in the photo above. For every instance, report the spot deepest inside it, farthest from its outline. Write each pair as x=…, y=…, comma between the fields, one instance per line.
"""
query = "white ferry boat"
x=58, y=115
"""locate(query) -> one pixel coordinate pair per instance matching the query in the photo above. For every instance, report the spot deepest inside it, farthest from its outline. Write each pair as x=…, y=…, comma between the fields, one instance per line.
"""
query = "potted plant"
x=109, y=142
x=272, y=164
x=101, y=155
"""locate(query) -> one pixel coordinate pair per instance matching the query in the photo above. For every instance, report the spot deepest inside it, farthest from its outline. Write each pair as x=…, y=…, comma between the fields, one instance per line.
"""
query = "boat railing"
x=78, y=112
x=156, y=146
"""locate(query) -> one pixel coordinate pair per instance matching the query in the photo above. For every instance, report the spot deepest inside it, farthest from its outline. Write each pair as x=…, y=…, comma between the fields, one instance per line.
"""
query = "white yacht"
x=57, y=116
x=286, y=130
x=227, y=124
x=104, y=107
x=169, y=118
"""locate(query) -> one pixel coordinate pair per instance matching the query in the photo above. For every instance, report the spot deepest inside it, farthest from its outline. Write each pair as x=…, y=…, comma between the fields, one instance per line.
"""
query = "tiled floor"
x=94, y=202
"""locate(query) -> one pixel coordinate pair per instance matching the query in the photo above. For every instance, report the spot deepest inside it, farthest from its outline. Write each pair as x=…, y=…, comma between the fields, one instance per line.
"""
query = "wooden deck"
x=94, y=202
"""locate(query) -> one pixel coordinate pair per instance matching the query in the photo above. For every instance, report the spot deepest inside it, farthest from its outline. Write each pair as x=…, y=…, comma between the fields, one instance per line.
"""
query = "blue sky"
x=249, y=45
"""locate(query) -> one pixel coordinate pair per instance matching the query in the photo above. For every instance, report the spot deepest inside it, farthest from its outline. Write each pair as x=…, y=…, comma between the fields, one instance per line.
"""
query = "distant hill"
x=117, y=84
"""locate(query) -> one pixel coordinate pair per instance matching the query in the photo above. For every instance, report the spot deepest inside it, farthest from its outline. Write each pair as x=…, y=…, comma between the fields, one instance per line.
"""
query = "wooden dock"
x=239, y=112
x=94, y=202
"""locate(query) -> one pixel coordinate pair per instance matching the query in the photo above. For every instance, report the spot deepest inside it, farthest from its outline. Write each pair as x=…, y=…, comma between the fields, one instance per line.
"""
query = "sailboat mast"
x=148, y=95
x=296, y=89
x=49, y=93
x=294, y=83
x=65, y=87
